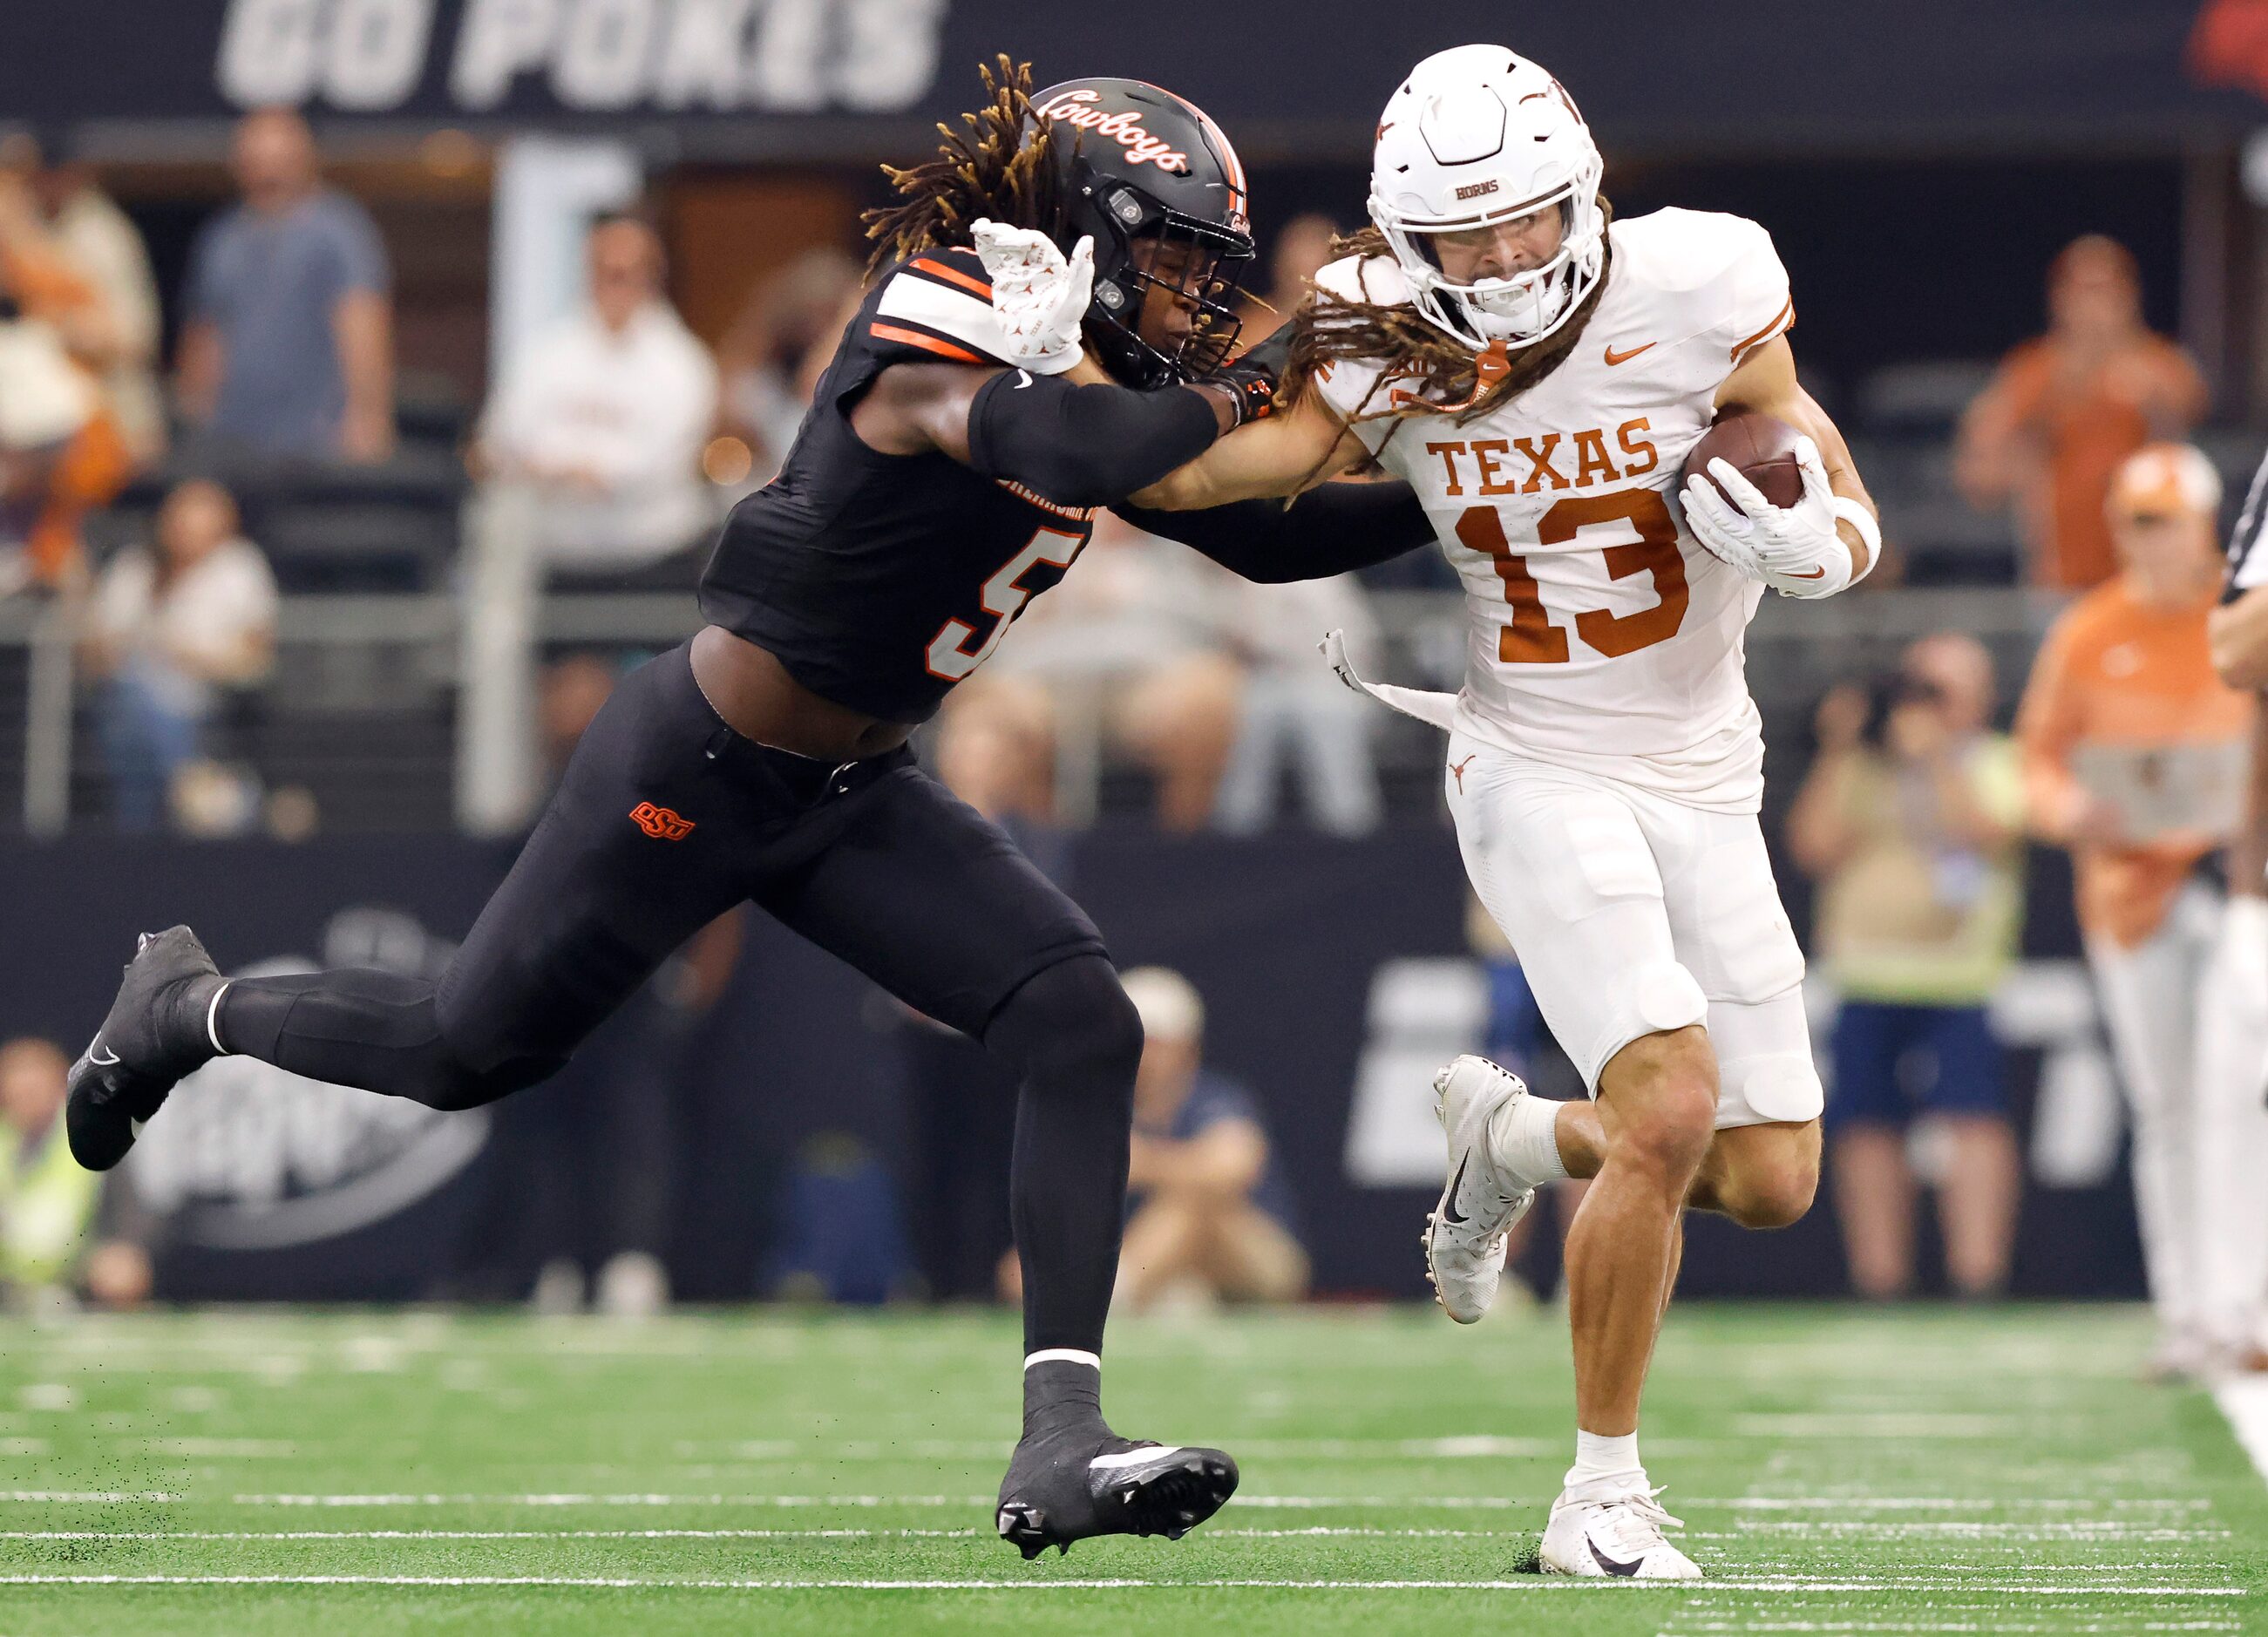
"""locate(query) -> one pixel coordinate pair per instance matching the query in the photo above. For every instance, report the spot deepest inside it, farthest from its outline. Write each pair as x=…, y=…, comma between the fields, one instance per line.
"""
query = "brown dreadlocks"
x=987, y=169
x=1437, y=374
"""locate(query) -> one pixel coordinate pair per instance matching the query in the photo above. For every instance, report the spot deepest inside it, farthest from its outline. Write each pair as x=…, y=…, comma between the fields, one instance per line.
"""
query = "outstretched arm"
x=1297, y=447
x=1330, y=530
x=1077, y=444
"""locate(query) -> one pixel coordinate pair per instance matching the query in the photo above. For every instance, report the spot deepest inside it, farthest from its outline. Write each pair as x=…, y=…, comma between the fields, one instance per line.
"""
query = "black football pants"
x=666, y=819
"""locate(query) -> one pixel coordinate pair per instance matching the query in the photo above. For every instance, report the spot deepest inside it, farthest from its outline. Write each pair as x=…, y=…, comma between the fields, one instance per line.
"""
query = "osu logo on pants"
x=661, y=822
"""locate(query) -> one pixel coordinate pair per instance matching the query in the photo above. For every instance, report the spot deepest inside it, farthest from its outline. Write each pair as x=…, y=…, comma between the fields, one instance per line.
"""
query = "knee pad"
x=1763, y=1061
x=1783, y=1088
x=1665, y=996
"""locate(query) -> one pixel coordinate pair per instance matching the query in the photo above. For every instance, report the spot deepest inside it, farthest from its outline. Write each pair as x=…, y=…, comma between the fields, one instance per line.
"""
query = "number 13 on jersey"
x=957, y=650
x=1532, y=638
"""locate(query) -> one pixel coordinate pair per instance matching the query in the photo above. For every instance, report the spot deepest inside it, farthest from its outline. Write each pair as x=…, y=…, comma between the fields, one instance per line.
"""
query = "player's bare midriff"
x=752, y=690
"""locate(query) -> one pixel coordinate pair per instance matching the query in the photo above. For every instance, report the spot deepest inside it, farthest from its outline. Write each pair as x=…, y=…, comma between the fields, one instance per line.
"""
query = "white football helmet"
x=1476, y=136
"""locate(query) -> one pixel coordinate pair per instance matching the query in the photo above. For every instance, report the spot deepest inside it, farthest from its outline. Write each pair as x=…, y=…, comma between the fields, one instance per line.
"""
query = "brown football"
x=1761, y=448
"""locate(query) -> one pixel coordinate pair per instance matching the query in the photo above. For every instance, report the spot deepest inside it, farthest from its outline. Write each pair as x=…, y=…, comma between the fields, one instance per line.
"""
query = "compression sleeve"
x=1083, y=445
x=1329, y=530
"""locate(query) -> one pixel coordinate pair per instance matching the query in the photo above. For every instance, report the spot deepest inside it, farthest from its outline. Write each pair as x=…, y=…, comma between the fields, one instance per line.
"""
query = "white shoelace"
x=1637, y=1520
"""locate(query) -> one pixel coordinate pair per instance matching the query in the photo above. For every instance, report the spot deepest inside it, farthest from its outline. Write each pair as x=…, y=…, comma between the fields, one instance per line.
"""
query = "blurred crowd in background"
x=180, y=458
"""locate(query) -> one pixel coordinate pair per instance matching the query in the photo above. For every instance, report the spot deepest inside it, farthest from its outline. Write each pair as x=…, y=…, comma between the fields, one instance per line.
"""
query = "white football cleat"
x=1614, y=1532
x=1465, y=1235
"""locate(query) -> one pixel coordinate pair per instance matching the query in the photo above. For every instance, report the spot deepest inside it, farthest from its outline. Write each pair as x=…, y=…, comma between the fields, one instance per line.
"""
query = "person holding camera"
x=1909, y=821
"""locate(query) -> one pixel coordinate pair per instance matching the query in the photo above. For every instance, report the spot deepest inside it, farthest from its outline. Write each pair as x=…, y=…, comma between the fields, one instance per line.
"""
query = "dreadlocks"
x=988, y=169
x=1435, y=373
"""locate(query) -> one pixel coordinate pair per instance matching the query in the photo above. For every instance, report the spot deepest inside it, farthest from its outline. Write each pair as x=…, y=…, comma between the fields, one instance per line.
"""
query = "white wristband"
x=1849, y=511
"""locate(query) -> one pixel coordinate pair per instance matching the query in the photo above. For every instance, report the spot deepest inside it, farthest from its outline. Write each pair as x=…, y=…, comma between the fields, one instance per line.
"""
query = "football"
x=1761, y=448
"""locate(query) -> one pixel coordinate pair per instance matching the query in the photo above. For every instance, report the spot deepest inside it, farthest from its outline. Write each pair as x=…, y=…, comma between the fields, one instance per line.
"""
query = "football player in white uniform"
x=1538, y=373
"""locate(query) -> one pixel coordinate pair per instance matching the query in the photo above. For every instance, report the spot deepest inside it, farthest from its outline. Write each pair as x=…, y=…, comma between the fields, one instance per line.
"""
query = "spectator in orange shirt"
x=2133, y=754
x=2064, y=410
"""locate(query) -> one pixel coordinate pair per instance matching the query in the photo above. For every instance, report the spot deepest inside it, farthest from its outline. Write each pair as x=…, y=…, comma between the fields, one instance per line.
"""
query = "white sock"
x=1524, y=1139
x=1598, y=1457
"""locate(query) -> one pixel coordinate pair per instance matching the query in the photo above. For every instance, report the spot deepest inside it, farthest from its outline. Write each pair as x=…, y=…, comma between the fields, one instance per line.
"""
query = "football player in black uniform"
x=931, y=493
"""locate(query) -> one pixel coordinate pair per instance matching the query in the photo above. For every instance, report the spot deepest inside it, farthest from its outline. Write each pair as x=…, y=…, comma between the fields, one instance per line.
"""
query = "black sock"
x=1075, y=1042
x=356, y=1026
x=1060, y=1393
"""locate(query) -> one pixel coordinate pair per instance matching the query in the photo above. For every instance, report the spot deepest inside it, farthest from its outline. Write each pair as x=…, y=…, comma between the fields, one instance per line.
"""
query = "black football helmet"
x=1143, y=164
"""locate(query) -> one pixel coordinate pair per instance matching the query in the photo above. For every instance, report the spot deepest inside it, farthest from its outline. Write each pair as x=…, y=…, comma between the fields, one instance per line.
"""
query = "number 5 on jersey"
x=950, y=654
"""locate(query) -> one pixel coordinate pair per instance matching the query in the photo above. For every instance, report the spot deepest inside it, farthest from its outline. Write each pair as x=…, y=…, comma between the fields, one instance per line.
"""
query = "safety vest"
x=47, y=1205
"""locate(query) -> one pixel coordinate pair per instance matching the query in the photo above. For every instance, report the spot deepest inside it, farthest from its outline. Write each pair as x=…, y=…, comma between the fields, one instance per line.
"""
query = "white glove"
x=1793, y=550
x=1040, y=300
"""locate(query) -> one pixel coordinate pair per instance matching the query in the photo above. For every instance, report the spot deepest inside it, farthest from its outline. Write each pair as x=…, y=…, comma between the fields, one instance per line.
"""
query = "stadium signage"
x=475, y=57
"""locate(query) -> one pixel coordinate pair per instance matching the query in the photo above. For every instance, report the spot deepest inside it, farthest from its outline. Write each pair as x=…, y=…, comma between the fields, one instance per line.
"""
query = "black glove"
x=1253, y=376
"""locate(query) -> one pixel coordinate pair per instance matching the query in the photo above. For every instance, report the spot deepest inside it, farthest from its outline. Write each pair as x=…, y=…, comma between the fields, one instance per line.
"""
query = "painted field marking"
x=1492, y=1503
x=1782, y=1583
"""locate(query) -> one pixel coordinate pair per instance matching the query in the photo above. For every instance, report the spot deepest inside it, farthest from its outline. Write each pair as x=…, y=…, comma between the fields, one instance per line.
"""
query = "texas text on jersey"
x=881, y=580
x=1601, y=632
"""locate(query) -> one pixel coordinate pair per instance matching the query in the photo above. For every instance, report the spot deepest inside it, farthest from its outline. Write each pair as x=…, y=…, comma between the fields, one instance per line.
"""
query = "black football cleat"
x=1081, y=1482
x=154, y=1035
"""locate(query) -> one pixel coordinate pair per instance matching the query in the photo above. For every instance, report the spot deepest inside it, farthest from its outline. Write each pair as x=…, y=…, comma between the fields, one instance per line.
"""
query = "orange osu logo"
x=661, y=824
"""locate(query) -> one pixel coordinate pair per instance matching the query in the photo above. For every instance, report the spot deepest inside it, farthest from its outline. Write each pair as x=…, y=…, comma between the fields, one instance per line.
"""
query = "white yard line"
x=1781, y=1583
x=702, y=1534
x=2151, y=1507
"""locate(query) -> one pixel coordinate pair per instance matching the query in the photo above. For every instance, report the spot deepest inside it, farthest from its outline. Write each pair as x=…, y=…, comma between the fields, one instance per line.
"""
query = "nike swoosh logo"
x=1624, y=357
x=1132, y=1457
x=1450, y=1215
x=1817, y=573
x=1023, y=379
x=1628, y=1571
x=99, y=1057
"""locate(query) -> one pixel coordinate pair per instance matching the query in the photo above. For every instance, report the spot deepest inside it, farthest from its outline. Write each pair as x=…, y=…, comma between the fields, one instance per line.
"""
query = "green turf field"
x=266, y=1472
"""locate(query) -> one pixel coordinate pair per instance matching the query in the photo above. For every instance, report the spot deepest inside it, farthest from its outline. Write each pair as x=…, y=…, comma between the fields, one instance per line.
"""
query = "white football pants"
x=2191, y=1045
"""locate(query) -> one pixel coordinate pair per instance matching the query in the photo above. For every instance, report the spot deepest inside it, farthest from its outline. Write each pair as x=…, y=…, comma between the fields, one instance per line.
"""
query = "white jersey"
x=1604, y=637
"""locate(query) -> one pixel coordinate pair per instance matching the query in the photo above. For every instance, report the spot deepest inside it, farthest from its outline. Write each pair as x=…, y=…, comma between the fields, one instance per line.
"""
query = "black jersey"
x=881, y=580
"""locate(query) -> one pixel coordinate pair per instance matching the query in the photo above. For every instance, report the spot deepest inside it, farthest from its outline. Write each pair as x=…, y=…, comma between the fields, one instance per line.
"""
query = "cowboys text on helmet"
x=1076, y=107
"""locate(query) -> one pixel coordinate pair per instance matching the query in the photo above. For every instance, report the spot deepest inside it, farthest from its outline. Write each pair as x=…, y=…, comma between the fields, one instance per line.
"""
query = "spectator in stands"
x=1209, y=1218
x=1130, y=652
x=769, y=361
x=2064, y=410
x=1909, y=819
x=287, y=344
x=2133, y=749
x=1291, y=706
x=47, y=1203
x=171, y=629
x=80, y=251
x=60, y=455
x=606, y=413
